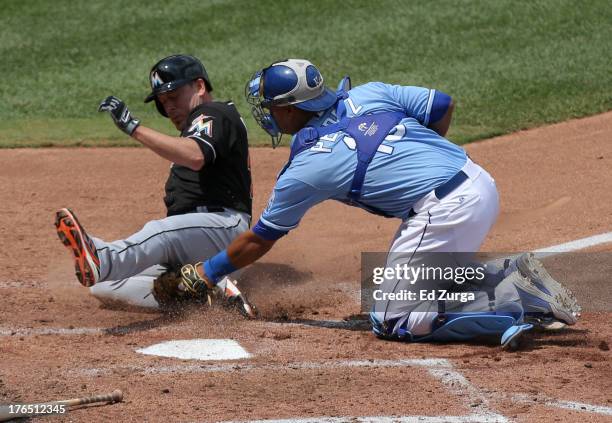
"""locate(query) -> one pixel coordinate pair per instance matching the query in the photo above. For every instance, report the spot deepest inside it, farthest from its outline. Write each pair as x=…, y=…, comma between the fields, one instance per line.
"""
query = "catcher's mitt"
x=168, y=294
x=178, y=286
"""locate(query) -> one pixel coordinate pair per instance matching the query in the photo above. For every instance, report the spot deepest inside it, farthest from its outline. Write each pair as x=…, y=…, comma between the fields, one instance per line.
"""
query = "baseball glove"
x=178, y=286
x=168, y=294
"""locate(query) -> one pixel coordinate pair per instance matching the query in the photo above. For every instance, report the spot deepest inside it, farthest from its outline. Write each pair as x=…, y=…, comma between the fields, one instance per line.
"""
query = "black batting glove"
x=120, y=114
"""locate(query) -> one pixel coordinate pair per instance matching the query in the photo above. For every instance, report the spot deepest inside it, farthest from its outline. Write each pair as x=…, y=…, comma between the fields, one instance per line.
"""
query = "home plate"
x=198, y=349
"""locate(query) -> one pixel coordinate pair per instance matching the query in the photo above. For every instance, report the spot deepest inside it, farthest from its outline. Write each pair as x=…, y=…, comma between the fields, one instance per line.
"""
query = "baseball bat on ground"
x=9, y=412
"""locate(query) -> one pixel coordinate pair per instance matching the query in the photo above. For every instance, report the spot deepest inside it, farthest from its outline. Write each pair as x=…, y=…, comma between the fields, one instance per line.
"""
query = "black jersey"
x=225, y=178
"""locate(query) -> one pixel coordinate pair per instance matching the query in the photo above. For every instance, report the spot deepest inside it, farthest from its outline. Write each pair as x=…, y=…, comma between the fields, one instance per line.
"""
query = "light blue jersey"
x=411, y=161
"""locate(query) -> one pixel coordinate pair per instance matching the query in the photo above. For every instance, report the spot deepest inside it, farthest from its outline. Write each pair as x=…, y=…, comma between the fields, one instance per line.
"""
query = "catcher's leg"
x=458, y=222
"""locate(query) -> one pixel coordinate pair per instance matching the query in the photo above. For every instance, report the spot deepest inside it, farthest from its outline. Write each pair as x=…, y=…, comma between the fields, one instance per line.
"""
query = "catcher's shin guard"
x=459, y=327
x=74, y=237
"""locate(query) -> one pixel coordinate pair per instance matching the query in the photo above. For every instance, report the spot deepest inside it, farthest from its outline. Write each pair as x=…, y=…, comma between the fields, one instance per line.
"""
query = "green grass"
x=509, y=65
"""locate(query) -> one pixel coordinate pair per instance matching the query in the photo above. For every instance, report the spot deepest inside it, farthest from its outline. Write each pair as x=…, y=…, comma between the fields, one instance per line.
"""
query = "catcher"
x=381, y=148
x=208, y=196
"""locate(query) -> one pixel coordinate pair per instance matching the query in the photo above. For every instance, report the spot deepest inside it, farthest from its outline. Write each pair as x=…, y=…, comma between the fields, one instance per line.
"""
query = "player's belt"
x=210, y=209
x=450, y=185
x=206, y=209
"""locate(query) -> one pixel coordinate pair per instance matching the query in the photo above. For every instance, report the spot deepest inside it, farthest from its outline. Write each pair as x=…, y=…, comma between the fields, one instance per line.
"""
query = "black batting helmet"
x=173, y=72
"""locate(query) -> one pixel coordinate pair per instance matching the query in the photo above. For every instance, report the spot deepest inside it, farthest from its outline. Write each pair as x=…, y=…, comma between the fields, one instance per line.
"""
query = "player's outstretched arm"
x=209, y=277
x=245, y=249
x=248, y=248
x=174, y=149
x=179, y=150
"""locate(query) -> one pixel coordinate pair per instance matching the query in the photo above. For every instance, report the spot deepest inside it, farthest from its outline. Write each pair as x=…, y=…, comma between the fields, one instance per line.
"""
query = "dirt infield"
x=310, y=357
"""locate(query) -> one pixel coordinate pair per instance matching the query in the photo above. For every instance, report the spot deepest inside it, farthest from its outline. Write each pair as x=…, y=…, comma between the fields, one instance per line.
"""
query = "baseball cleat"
x=227, y=289
x=74, y=237
x=540, y=293
x=552, y=325
x=544, y=322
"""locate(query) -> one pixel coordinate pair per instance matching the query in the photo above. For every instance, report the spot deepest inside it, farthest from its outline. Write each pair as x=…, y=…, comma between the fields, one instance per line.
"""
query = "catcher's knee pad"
x=454, y=327
x=465, y=326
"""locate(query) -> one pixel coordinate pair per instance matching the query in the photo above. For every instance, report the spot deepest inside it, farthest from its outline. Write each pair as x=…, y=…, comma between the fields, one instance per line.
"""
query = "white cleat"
x=542, y=293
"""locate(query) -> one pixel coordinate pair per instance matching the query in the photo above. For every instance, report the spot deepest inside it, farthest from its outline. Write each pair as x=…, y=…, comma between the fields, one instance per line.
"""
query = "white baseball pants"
x=459, y=222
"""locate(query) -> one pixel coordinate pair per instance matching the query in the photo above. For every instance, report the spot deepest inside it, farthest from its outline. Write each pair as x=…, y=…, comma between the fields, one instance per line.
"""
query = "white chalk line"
x=567, y=247
x=28, y=331
x=4, y=331
x=439, y=368
x=568, y=405
x=305, y=365
x=49, y=331
x=472, y=418
x=327, y=324
x=19, y=332
x=477, y=417
x=578, y=244
x=458, y=385
x=16, y=284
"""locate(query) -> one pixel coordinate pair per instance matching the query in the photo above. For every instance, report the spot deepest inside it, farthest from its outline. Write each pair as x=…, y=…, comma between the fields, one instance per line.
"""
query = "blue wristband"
x=218, y=266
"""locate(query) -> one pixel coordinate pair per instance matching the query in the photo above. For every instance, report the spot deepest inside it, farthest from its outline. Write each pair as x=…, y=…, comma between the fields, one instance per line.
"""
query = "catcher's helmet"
x=173, y=72
x=289, y=82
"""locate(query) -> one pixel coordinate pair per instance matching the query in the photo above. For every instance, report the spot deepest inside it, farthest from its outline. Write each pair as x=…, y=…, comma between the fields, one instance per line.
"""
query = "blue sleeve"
x=425, y=105
x=415, y=101
x=288, y=203
x=439, y=106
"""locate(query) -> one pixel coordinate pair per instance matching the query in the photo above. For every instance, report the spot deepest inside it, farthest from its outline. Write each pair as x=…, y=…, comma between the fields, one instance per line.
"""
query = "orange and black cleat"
x=74, y=237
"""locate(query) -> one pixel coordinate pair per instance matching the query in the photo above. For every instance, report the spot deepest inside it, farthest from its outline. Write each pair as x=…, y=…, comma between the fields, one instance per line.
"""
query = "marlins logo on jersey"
x=198, y=126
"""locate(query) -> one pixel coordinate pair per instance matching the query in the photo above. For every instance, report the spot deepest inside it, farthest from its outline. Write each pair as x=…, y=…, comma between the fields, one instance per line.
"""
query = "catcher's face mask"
x=288, y=82
x=261, y=107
